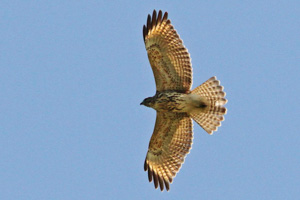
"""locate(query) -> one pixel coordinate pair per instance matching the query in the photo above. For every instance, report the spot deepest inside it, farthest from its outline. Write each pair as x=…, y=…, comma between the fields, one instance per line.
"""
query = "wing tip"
x=157, y=179
x=153, y=21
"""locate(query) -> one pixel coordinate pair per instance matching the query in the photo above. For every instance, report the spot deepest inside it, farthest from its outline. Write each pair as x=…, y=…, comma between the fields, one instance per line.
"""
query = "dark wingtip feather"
x=145, y=165
x=149, y=23
x=155, y=180
x=165, y=16
x=145, y=32
x=167, y=185
x=150, y=175
x=153, y=19
x=161, y=183
x=159, y=16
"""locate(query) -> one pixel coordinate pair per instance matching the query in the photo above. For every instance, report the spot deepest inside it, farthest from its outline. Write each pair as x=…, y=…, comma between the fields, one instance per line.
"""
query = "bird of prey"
x=175, y=103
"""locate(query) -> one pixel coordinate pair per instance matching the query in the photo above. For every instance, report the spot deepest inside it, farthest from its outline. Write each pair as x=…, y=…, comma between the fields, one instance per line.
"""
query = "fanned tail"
x=210, y=117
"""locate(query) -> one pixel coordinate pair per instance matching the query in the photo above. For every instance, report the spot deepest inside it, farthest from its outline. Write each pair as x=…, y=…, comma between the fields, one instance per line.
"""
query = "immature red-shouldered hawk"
x=176, y=105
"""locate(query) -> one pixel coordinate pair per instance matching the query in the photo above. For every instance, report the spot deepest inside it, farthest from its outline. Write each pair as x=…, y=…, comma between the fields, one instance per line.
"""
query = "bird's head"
x=148, y=102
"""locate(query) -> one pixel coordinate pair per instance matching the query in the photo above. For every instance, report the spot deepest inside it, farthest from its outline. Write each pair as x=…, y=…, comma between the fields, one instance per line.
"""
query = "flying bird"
x=175, y=103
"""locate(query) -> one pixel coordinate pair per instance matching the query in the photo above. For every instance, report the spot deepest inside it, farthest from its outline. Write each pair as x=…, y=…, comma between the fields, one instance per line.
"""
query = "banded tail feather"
x=210, y=118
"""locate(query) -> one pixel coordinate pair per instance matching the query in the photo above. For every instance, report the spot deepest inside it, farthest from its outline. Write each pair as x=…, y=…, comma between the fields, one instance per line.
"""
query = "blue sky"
x=72, y=76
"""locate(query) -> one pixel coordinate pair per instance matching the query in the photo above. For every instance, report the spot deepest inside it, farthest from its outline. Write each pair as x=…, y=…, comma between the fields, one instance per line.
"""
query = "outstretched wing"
x=171, y=141
x=169, y=59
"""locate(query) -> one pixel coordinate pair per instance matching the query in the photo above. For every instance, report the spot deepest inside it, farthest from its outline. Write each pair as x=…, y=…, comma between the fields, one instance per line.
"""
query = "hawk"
x=175, y=103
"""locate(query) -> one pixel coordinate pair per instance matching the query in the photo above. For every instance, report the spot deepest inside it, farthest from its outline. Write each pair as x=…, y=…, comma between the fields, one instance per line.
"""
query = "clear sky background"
x=72, y=76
